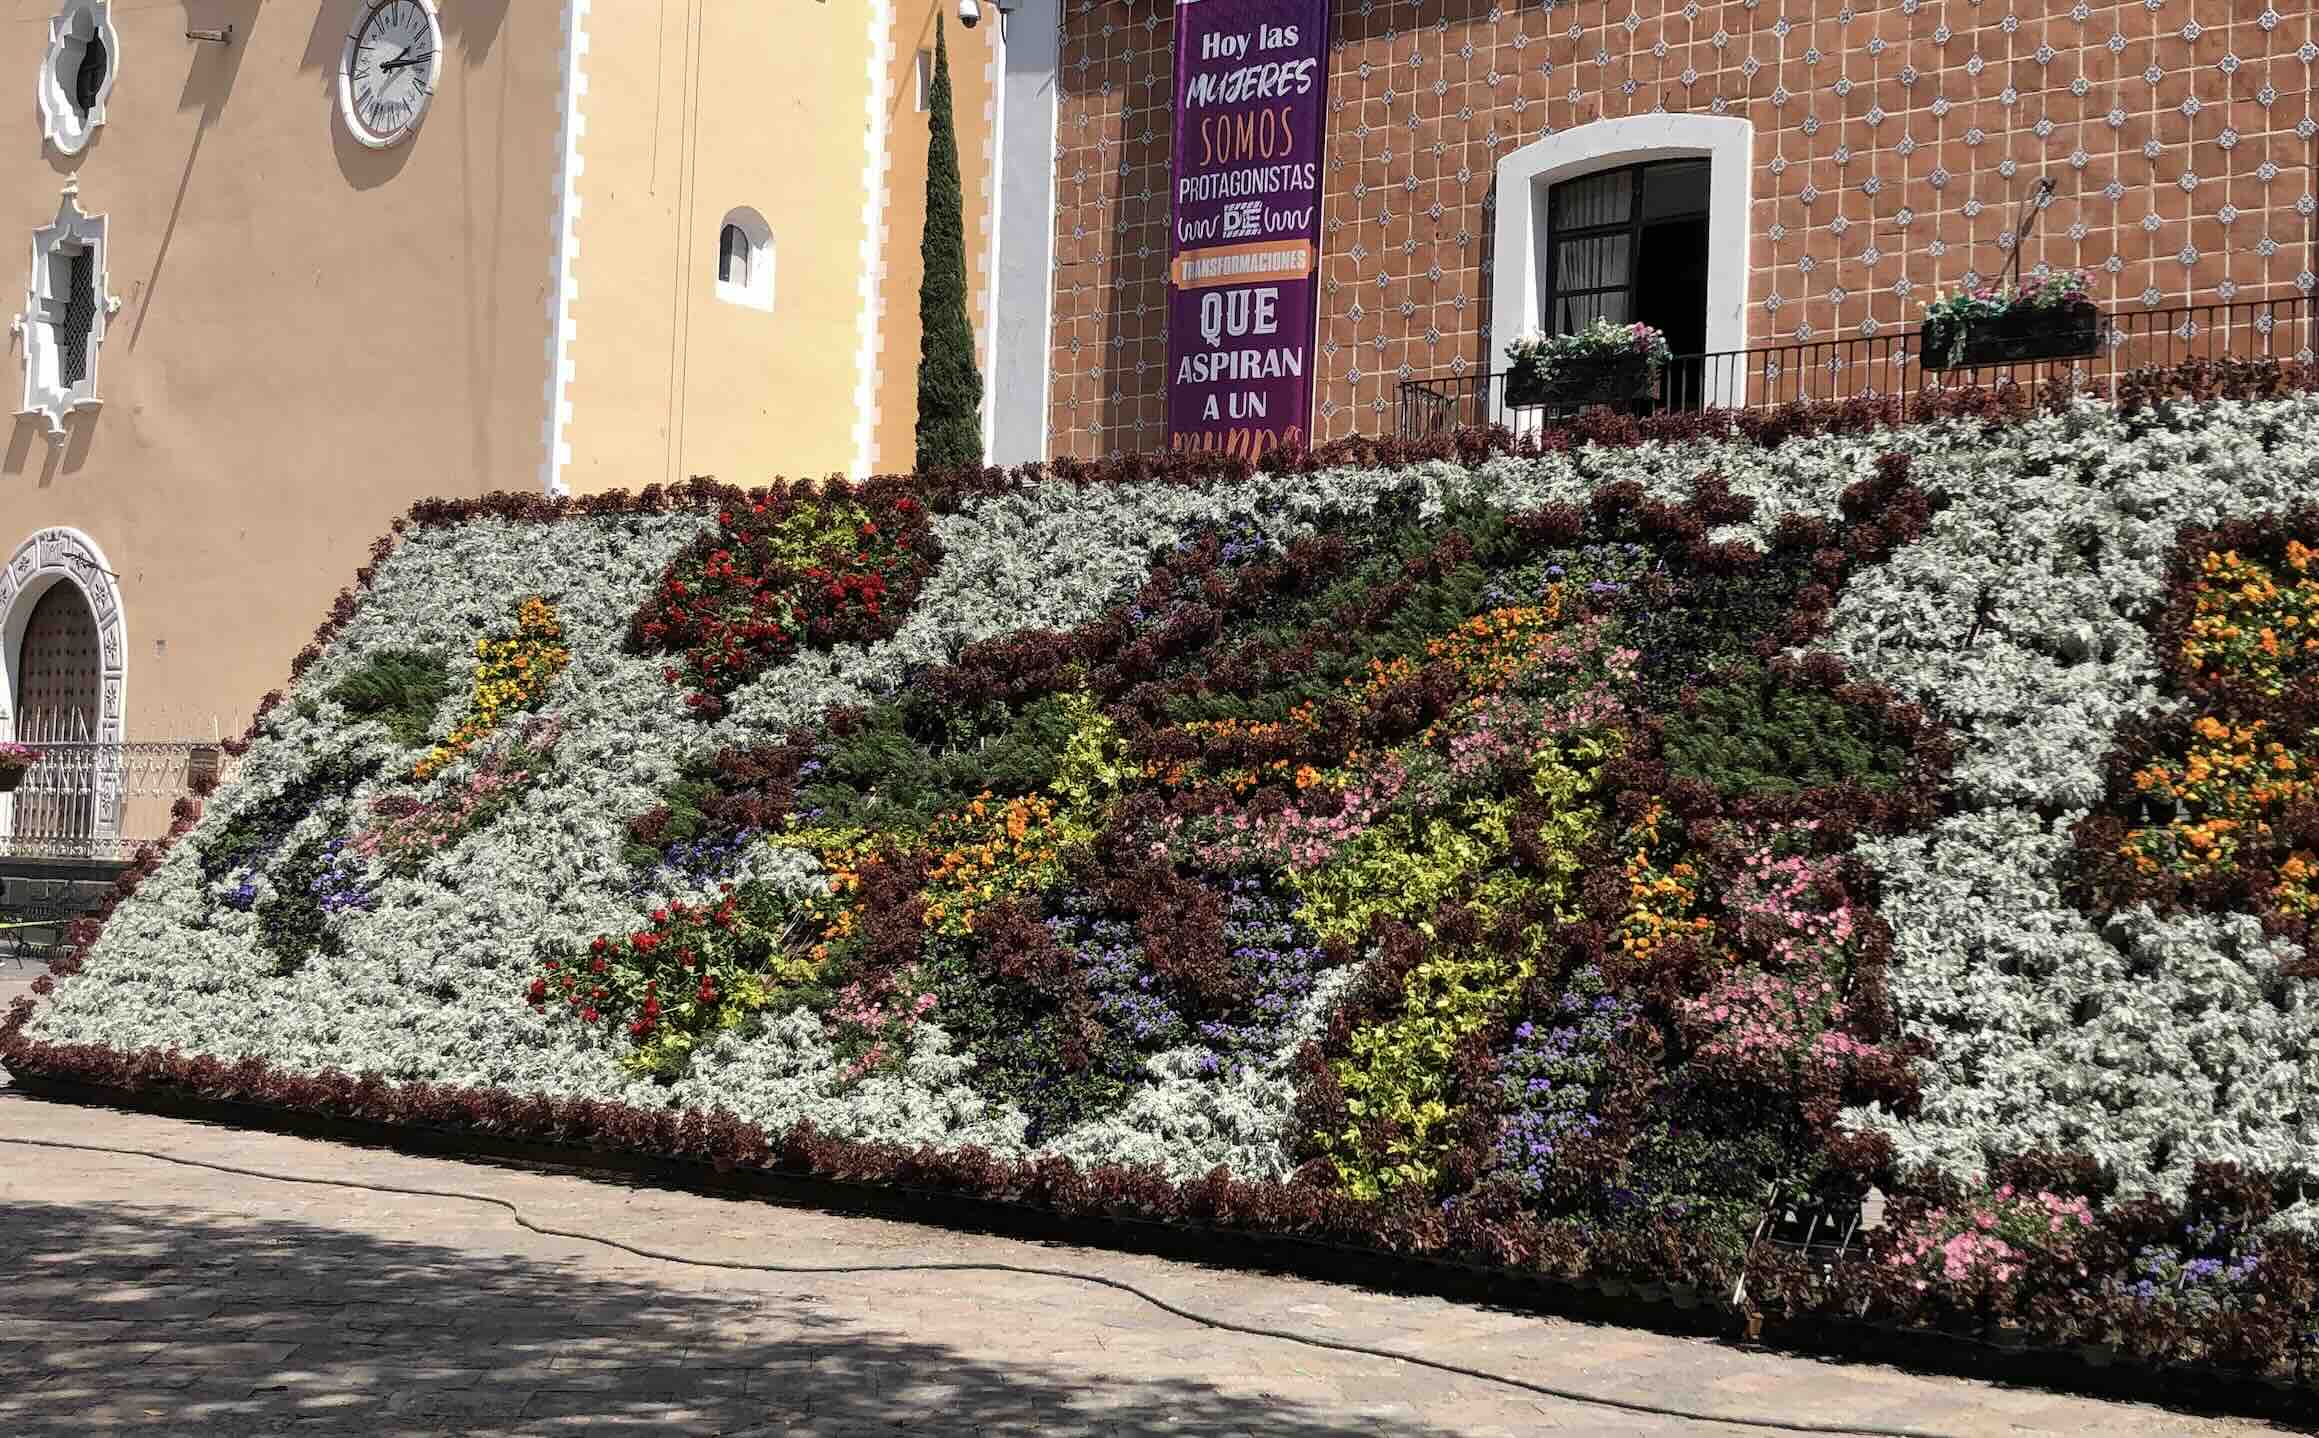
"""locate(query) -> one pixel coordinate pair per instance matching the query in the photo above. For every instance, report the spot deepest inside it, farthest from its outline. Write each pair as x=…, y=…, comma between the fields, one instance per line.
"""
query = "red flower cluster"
x=784, y=568
x=667, y=983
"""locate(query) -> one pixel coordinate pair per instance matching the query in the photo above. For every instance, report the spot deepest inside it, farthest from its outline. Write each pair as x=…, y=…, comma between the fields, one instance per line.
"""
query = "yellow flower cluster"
x=2250, y=626
x=512, y=675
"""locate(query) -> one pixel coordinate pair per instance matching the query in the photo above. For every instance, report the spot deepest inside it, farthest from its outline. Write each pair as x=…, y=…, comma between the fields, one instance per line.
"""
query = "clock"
x=394, y=56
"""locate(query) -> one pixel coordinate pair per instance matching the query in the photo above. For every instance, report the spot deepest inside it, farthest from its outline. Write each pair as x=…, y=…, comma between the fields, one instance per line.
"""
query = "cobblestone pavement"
x=138, y=1295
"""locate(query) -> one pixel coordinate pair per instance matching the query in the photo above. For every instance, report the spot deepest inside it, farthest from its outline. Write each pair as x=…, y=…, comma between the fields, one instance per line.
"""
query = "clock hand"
x=407, y=64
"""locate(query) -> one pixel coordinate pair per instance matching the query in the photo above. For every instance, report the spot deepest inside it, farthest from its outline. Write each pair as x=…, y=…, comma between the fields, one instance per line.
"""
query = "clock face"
x=393, y=59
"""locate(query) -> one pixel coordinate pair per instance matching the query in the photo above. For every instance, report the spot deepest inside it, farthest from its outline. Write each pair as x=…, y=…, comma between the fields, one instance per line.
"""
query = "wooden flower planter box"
x=2018, y=337
x=1574, y=384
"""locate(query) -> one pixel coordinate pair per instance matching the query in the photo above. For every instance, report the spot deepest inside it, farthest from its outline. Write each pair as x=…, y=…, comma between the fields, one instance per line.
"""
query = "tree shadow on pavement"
x=164, y=1319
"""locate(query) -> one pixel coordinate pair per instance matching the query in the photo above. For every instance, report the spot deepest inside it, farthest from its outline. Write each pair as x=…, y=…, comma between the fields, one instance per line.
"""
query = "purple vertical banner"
x=1244, y=222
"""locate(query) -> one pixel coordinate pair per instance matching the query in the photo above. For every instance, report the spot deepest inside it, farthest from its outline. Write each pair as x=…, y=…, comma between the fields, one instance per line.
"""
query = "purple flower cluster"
x=343, y=881
x=1276, y=956
x=1548, y=1077
x=1242, y=541
x=2204, y=1285
x=709, y=860
x=1130, y=999
x=1239, y=542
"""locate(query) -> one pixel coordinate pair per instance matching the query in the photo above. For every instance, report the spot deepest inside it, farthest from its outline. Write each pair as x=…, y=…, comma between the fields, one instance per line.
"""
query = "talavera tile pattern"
x=1896, y=141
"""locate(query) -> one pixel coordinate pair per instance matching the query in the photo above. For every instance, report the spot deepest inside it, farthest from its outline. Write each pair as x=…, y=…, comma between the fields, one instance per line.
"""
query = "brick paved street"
x=137, y=1295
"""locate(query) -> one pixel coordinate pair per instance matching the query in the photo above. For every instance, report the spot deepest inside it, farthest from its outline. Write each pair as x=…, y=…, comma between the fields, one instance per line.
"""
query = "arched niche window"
x=76, y=76
x=745, y=260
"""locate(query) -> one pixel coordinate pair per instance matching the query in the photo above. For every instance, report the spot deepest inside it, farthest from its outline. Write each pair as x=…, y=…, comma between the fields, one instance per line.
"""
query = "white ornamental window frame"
x=47, y=299
x=62, y=121
x=1526, y=175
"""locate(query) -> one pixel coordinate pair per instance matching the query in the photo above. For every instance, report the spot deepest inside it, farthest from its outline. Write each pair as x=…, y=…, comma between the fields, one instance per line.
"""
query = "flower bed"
x=1564, y=861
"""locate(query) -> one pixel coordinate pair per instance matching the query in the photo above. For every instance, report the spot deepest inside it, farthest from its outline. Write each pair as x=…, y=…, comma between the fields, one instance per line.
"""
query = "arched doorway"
x=59, y=668
x=65, y=646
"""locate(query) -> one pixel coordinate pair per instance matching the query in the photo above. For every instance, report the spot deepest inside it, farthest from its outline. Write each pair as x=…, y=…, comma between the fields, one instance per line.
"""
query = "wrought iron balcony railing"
x=1770, y=376
x=87, y=799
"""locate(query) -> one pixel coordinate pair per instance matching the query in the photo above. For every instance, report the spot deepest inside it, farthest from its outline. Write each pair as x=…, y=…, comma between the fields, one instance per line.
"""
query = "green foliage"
x=949, y=385
x=401, y=688
x=248, y=839
x=1092, y=768
x=1407, y=866
x=1045, y=1059
x=900, y=771
x=1713, y=1149
x=1398, y=1073
x=292, y=924
x=1753, y=735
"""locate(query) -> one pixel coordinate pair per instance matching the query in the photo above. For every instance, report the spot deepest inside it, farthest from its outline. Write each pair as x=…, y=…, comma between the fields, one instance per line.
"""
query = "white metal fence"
x=86, y=799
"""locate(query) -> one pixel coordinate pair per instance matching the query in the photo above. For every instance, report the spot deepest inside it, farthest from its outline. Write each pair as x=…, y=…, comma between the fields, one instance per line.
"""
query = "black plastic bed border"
x=2184, y=1388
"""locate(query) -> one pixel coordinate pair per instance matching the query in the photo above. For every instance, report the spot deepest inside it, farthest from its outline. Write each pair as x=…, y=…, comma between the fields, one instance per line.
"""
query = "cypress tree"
x=949, y=385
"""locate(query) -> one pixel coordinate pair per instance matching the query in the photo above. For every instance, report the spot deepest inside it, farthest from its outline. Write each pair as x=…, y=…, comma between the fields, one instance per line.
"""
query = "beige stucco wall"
x=312, y=335
x=973, y=56
x=693, y=110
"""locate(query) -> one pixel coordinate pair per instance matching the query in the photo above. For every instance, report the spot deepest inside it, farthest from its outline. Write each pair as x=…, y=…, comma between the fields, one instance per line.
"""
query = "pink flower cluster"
x=1964, y=1256
x=1765, y=1022
x=1231, y=840
x=407, y=830
x=1784, y=1014
x=1989, y=1239
x=882, y=1011
x=1793, y=909
x=1501, y=732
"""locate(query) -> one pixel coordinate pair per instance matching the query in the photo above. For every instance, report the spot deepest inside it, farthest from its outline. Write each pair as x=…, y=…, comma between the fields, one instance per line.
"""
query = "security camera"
x=970, y=13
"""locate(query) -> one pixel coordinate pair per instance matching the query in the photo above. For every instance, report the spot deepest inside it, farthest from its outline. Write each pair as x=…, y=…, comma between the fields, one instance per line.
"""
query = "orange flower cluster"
x=1491, y=651
x=993, y=849
x=1303, y=719
x=2297, y=893
x=1383, y=675
x=1660, y=898
x=2250, y=627
x=2234, y=778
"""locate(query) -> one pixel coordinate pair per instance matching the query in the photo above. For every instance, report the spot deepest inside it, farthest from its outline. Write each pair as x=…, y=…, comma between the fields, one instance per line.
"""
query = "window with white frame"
x=1637, y=218
x=1629, y=245
x=745, y=260
x=65, y=309
x=76, y=76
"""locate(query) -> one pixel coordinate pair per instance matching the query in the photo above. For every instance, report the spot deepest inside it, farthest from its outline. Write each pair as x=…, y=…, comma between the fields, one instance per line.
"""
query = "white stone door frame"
x=1727, y=142
x=62, y=555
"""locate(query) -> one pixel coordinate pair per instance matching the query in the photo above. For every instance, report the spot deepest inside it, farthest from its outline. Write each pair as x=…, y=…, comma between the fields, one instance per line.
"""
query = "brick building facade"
x=1886, y=150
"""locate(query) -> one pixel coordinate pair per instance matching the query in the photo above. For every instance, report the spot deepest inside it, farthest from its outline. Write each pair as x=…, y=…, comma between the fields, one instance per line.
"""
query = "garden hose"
x=1222, y=1325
